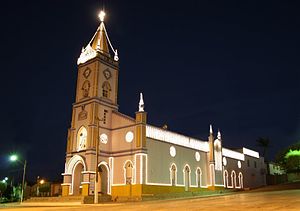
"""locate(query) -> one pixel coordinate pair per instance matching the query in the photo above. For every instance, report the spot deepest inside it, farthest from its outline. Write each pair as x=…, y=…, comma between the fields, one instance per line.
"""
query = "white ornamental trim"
x=250, y=152
x=233, y=154
x=175, y=138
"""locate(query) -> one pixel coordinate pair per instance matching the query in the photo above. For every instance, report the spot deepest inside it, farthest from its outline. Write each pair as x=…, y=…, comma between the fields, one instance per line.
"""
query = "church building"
x=111, y=153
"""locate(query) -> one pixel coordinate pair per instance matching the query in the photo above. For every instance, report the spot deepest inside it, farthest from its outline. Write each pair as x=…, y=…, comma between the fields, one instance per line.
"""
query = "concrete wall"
x=255, y=172
x=160, y=161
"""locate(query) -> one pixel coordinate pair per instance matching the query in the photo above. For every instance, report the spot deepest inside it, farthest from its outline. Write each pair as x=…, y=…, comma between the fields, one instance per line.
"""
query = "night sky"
x=232, y=64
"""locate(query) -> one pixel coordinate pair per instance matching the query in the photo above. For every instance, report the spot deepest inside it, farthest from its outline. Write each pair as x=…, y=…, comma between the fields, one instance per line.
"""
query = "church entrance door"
x=77, y=179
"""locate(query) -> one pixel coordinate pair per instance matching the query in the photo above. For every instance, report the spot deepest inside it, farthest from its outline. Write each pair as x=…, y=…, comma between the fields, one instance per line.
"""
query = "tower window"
x=81, y=139
x=104, y=116
x=106, y=90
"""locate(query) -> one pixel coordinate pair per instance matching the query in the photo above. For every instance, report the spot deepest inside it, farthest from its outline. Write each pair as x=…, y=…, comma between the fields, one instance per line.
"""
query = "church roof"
x=99, y=43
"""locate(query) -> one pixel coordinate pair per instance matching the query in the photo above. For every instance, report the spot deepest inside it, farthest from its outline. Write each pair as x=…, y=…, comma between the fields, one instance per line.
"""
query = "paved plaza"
x=256, y=200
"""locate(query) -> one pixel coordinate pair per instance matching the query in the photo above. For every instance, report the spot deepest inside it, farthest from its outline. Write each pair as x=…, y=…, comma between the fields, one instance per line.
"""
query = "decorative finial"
x=141, y=103
x=219, y=135
x=101, y=15
x=210, y=129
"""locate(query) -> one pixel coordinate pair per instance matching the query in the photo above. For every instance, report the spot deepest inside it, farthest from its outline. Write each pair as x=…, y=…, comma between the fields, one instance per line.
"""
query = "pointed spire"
x=141, y=103
x=99, y=43
x=219, y=135
x=210, y=129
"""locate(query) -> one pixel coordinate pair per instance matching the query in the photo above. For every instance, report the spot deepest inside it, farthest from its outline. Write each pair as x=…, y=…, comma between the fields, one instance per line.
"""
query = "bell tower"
x=96, y=99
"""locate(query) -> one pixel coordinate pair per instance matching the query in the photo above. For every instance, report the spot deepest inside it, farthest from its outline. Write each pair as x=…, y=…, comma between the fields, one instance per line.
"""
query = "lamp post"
x=14, y=158
x=38, y=183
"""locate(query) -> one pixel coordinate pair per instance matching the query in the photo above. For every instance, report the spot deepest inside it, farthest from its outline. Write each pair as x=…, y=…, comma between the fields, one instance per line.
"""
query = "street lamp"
x=14, y=158
x=5, y=180
x=39, y=182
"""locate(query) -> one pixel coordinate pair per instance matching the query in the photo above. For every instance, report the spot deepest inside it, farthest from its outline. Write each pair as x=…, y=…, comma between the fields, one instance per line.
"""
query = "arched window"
x=233, y=179
x=198, y=177
x=225, y=178
x=186, y=171
x=106, y=90
x=240, y=178
x=81, y=138
x=173, y=172
x=128, y=172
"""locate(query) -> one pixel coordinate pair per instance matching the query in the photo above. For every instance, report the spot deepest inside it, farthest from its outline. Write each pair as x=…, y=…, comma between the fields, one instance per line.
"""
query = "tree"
x=292, y=164
x=3, y=187
x=289, y=158
x=264, y=143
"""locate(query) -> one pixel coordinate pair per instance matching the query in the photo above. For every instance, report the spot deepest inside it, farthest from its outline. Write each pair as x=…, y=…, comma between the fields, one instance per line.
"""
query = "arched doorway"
x=75, y=166
x=186, y=177
x=103, y=178
x=77, y=178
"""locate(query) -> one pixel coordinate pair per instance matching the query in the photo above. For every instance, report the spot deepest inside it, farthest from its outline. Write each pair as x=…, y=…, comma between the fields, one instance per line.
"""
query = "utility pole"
x=97, y=152
x=23, y=181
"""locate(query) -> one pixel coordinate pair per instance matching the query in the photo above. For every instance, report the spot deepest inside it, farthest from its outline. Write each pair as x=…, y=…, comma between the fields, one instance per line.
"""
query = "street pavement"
x=262, y=200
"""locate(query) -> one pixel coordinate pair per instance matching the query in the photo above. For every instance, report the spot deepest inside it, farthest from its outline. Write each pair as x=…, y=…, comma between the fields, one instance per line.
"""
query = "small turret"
x=219, y=135
x=211, y=144
x=141, y=121
x=141, y=103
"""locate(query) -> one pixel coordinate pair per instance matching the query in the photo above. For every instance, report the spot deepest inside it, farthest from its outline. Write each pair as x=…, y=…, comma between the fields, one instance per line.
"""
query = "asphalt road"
x=269, y=200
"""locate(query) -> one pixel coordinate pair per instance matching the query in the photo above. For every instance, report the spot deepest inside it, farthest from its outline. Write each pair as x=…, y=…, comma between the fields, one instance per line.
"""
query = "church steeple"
x=98, y=69
x=99, y=40
x=99, y=43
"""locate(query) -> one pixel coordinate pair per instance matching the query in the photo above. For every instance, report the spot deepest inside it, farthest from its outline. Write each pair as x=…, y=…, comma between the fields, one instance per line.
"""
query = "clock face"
x=172, y=151
x=129, y=136
x=103, y=138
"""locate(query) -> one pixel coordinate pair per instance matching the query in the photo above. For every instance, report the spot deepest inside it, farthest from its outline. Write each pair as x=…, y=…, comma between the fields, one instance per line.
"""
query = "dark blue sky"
x=232, y=64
